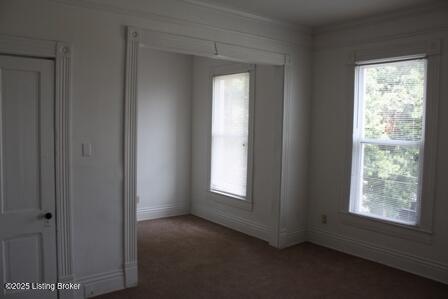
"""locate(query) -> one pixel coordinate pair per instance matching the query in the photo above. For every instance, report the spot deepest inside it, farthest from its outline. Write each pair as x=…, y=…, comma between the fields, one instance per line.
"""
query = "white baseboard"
x=391, y=257
x=162, y=211
x=290, y=238
x=130, y=275
x=245, y=226
x=101, y=283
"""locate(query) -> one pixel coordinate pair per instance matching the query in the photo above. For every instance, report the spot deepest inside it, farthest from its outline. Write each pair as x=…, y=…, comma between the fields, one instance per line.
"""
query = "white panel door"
x=27, y=188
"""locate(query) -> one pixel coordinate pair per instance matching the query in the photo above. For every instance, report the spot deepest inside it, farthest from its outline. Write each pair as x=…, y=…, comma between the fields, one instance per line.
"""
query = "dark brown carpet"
x=188, y=257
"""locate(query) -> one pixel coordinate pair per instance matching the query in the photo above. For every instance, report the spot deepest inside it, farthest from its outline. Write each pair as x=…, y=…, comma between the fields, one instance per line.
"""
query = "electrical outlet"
x=323, y=219
x=138, y=199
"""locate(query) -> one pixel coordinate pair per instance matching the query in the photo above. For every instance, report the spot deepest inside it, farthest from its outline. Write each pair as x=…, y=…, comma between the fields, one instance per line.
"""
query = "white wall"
x=330, y=106
x=163, y=134
x=96, y=31
x=267, y=149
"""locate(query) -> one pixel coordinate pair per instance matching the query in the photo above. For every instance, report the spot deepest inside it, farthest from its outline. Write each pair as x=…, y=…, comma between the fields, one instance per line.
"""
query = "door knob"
x=48, y=216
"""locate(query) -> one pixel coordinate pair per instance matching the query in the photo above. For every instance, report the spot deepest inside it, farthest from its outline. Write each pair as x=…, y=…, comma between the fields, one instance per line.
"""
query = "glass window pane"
x=393, y=95
x=388, y=140
x=230, y=134
x=389, y=187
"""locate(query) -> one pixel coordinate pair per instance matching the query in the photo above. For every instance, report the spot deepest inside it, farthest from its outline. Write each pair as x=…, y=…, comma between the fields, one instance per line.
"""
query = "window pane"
x=230, y=134
x=394, y=100
x=389, y=182
x=388, y=140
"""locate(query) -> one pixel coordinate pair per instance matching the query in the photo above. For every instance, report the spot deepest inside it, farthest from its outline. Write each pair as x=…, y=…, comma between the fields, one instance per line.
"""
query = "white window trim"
x=223, y=197
x=387, y=52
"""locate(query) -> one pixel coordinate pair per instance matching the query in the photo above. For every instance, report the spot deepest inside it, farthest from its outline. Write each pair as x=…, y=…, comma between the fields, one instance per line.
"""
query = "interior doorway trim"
x=60, y=52
x=186, y=44
x=130, y=161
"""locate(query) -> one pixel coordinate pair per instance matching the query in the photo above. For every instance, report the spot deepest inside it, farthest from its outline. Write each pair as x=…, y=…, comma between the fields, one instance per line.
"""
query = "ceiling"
x=314, y=12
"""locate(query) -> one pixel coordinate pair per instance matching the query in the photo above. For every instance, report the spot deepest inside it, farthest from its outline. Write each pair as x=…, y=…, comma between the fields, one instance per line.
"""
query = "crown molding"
x=288, y=25
x=287, y=33
x=380, y=18
x=415, y=34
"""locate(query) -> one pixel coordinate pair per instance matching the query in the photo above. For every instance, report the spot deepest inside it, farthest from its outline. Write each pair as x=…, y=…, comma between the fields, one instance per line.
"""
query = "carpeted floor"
x=188, y=257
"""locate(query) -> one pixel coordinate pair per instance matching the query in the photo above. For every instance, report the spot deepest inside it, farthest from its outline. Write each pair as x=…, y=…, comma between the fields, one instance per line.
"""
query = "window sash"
x=359, y=141
x=358, y=174
x=234, y=70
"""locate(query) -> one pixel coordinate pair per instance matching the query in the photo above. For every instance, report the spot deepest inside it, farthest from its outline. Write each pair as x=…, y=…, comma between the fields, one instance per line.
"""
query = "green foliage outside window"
x=393, y=111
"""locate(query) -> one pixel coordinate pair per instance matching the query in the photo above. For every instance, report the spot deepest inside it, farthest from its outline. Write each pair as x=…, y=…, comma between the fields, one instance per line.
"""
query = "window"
x=388, y=140
x=230, y=137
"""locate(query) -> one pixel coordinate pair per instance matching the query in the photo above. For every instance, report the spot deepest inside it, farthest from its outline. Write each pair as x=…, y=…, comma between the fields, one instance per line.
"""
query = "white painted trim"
x=27, y=47
x=162, y=211
x=390, y=257
x=231, y=68
x=130, y=271
x=208, y=47
x=190, y=16
x=63, y=144
x=177, y=43
x=431, y=139
x=133, y=43
x=242, y=225
x=101, y=283
x=280, y=203
x=291, y=238
x=130, y=153
x=61, y=52
x=248, y=55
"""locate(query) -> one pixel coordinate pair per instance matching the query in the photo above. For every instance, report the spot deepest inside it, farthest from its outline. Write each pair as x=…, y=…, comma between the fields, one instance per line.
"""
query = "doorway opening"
x=181, y=156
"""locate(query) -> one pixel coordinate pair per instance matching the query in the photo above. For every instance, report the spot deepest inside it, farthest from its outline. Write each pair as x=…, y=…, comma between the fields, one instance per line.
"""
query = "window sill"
x=229, y=200
x=403, y=231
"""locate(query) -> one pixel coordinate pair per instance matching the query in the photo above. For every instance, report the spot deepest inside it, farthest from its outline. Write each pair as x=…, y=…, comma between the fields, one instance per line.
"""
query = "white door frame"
x=60, y=52
x=190, y=44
